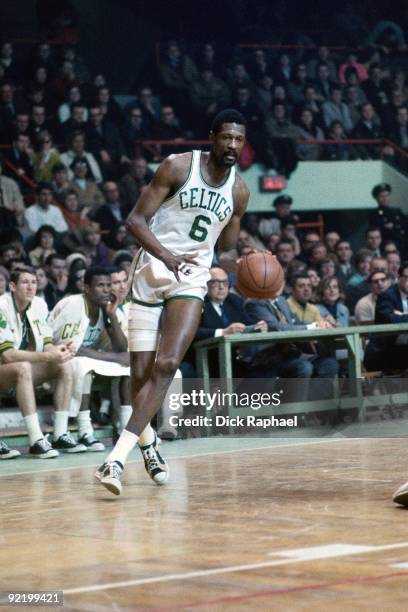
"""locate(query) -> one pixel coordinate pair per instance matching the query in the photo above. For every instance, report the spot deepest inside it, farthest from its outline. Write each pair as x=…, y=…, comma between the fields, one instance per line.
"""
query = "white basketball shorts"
x=152, y=286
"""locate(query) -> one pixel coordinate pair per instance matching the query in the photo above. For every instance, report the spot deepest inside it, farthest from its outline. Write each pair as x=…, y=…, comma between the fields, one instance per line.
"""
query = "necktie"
x=224, y=317
x=279, y=313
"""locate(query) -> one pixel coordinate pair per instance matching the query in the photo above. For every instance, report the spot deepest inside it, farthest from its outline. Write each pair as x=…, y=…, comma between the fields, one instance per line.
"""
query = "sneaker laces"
x=113, y=469
x=151, y=458
x=3, y=446
x=45, y=443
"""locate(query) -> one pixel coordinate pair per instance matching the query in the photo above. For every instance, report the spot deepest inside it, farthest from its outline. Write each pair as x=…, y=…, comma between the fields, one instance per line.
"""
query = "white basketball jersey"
x=191, y=220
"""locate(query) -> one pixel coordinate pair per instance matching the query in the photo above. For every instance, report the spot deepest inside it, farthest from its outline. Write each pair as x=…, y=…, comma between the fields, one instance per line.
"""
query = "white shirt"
x=37, y=216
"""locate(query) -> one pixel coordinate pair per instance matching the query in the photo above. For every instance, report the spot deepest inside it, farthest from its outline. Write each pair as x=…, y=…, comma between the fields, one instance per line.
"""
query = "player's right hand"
x=177, y=264
x=233, y=328
x=59, y=354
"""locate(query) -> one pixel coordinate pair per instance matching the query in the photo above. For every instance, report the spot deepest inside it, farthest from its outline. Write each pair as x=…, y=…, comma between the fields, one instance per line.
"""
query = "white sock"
x=60, y=423
x=84, y=422
x=125, y=414
x=147, y=436
x=104, y=407
x=125, y=444
x=33, y=428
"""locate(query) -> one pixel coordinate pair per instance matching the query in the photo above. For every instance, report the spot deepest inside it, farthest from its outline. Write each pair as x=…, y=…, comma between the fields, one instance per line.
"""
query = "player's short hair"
x=229, y=115
x=17, y=272
x=95, y=271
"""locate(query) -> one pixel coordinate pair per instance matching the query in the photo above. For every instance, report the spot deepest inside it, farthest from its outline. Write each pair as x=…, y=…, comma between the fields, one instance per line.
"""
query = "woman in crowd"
x=329, y=302
x=44, y=245
x=93, y=247
x=45, y=158
x=362, y=261
x=309, y=131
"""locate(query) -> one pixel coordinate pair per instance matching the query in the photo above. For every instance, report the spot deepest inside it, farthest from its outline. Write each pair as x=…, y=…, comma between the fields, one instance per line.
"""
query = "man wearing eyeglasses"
x=390, y=352
x=222, y=313
x=365, y=307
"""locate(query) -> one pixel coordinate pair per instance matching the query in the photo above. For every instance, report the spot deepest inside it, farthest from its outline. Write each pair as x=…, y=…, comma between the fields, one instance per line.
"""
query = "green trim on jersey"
x=173, y=195
x=203, y=179
x=5, y=346
x=183, y=297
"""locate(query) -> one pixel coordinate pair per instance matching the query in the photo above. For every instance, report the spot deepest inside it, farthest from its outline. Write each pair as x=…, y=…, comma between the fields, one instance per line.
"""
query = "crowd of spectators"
x=73, y=166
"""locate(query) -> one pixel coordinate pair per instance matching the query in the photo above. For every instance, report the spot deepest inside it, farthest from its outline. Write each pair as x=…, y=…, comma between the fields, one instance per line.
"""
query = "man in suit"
x=345, y=268
x=112, y=212
x=285, y=360
x=223, y=312
x=105, y=143
x=390, y=352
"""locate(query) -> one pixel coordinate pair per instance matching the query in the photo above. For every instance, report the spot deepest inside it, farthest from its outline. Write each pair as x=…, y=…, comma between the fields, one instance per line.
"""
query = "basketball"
x=259, y=275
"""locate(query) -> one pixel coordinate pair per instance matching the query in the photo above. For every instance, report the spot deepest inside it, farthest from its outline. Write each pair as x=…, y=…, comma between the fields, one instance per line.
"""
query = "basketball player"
x=193, y=199
x=28, y=358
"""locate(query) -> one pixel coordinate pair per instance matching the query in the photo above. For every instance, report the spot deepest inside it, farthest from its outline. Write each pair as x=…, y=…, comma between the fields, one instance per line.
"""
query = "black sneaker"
x=109, y=474
x=91, y=443
x=155, y=465
x=8, y=453
x=67, y=444
x=42, y=449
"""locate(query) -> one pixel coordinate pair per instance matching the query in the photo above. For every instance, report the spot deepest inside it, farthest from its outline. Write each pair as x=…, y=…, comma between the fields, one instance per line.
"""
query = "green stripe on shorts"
x=183, y=297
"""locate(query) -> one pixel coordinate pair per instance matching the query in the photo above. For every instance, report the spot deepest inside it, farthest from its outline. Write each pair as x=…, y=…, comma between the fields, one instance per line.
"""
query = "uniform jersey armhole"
x=190, y=171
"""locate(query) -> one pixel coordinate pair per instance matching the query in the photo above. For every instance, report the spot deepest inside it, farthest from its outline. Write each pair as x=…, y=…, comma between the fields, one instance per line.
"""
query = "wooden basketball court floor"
x=244, y=524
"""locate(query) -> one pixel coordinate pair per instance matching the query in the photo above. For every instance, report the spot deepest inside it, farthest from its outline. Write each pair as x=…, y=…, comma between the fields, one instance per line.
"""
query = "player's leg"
x=19, y=376
x=147, y=400
x=63, y=377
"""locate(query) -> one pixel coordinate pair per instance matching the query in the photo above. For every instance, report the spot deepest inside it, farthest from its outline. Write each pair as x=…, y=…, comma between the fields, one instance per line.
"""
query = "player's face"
x=99, y=291
x=119, y=285
x=25, y=288
x=227, y=143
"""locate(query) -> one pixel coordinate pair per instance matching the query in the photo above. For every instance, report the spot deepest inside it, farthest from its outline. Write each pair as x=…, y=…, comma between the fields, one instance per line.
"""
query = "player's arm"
x=115, y=332
x=227, y=254
x=51, y=354
x=122, y=358
x=171, y=173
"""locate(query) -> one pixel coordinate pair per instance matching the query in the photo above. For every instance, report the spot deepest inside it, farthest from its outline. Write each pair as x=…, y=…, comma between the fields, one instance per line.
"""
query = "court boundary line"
x=195, y=455
x=229, y=569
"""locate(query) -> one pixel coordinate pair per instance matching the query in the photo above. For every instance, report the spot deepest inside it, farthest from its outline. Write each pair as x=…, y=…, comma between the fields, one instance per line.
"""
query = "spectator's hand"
x=105, y=157
x=262, y=326
x=85, y=212
x=389, y=225
x=20, y=172
x=62, y=280
x=324, y=324
x=233, y=328
x=124, y=159
x=331, y=320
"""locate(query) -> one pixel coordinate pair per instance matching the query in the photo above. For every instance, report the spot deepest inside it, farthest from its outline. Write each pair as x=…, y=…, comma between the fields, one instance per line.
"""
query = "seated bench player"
x=81, y=320
x=28, y=359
